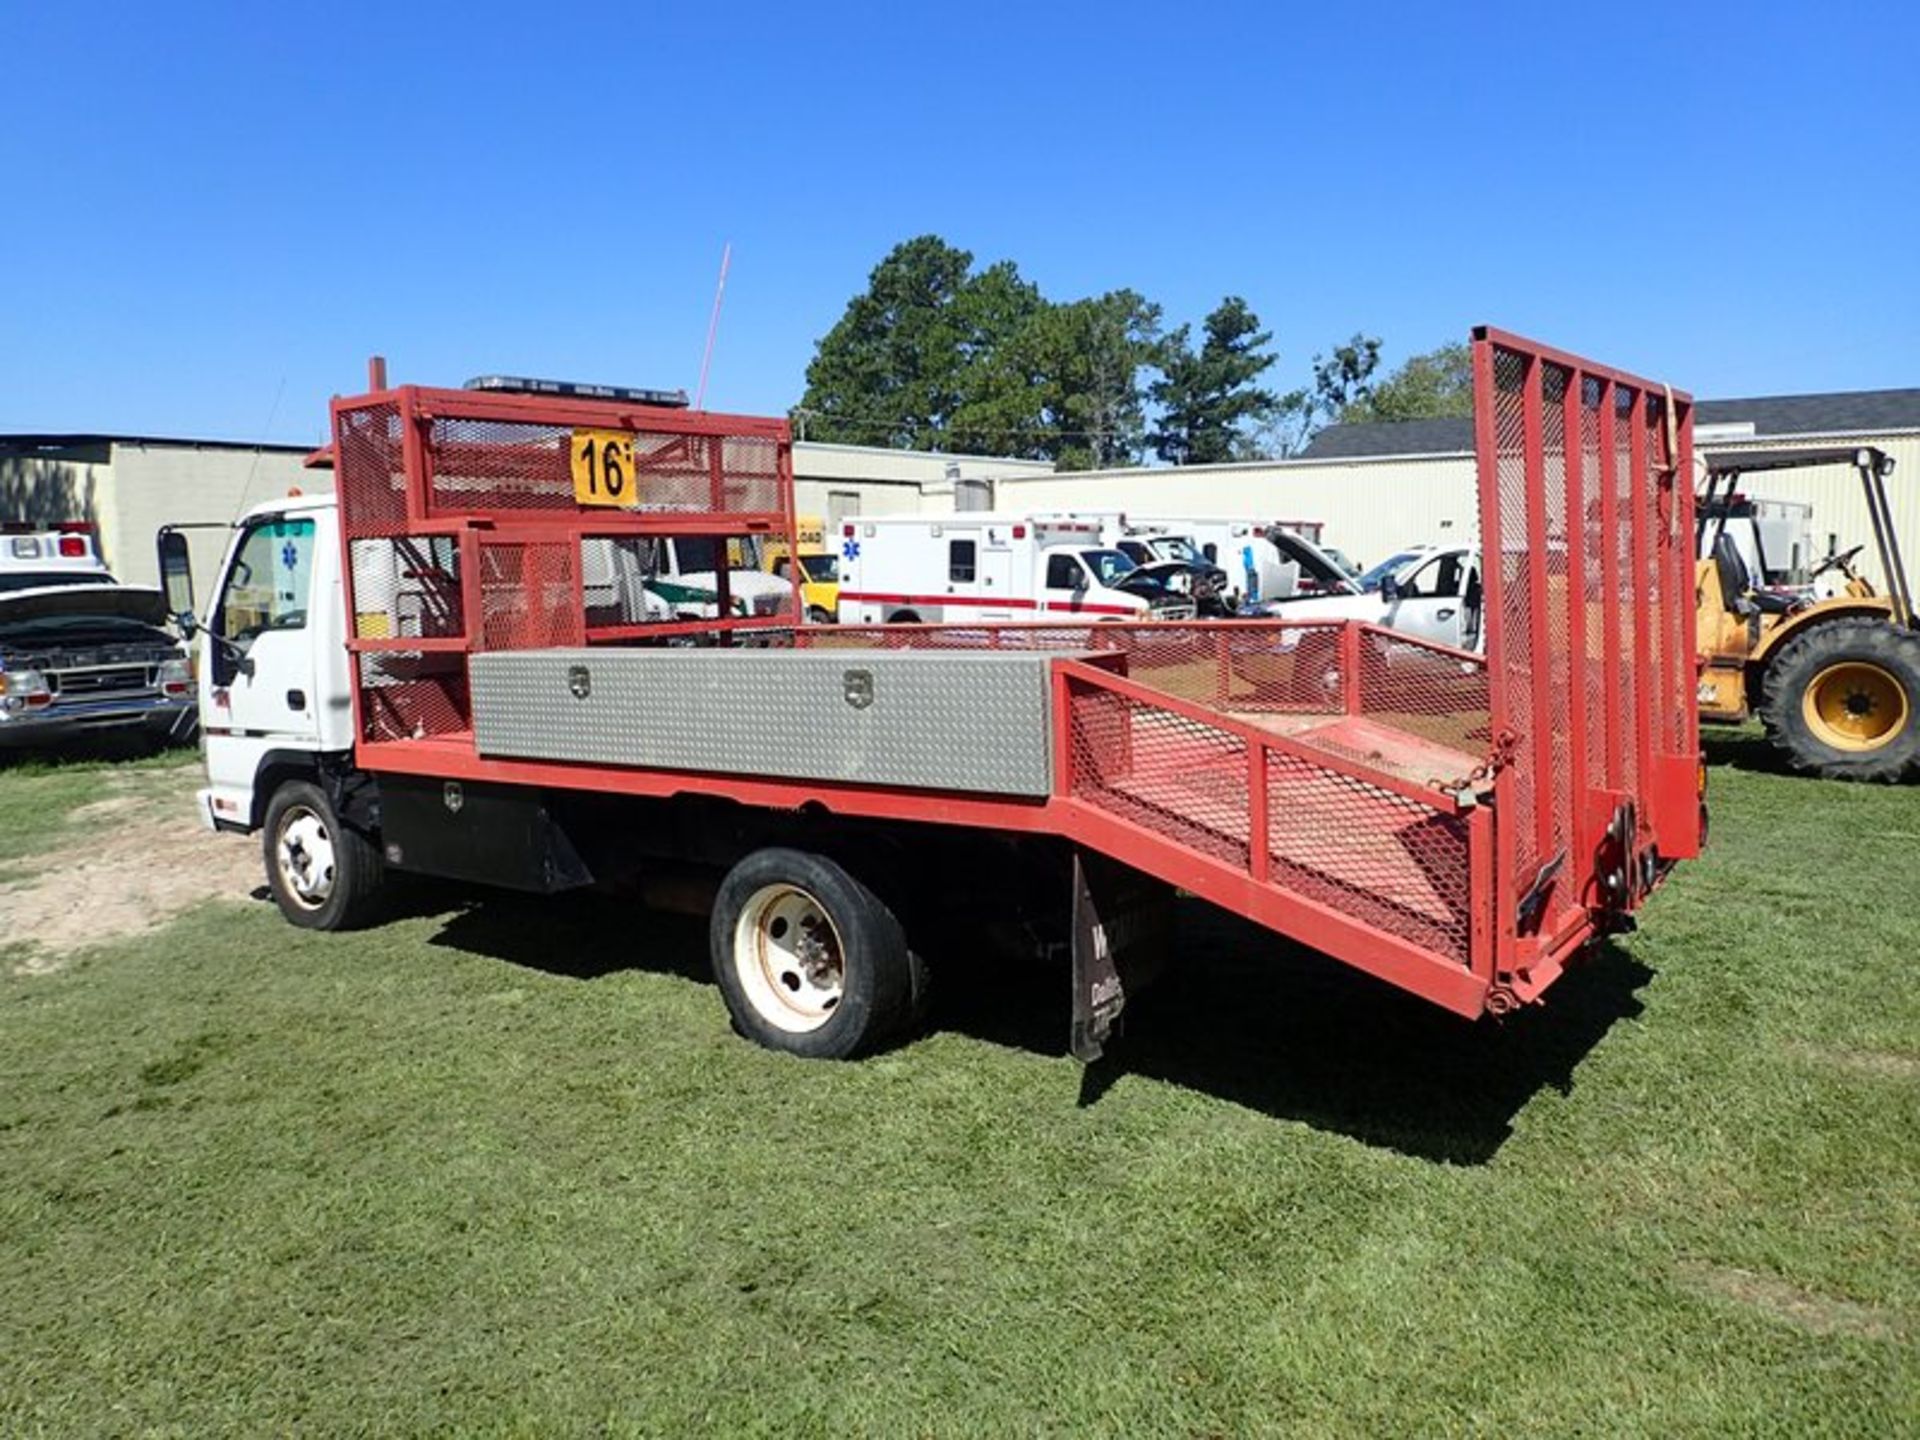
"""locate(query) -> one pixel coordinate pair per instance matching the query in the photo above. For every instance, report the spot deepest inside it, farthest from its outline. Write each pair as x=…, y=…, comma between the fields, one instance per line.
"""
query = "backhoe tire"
x=1842, y=701
x=810, y=960
x=323, y=875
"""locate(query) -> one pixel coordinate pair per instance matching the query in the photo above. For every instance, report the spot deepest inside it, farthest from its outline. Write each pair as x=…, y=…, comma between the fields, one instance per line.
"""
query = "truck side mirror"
x=1389, y=589
x=176, y=578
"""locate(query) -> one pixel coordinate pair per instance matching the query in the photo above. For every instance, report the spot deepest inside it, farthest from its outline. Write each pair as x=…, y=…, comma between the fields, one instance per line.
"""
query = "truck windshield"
x=820, y=567
x=1175, y=547
x=1108, y=566
x=696, y=554
x=1372, y=578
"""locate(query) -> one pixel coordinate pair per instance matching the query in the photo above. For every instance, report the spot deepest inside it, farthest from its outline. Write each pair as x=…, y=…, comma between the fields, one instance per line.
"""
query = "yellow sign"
x=603, y=467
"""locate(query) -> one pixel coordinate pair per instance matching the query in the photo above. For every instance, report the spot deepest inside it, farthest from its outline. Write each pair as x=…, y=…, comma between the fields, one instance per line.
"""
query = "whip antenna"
x=713, y=326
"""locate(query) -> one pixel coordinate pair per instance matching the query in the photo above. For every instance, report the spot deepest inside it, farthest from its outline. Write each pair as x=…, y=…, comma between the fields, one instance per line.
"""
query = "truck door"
x=1432, y=599
x=265, y=673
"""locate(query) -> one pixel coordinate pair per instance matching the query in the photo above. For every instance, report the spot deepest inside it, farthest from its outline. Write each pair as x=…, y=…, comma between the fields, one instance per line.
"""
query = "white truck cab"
x=978, y=566
x=272, y=651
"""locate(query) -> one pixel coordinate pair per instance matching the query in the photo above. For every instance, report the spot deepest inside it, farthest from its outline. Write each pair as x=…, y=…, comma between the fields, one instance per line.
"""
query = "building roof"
x=35, y=444
x=1843, y=412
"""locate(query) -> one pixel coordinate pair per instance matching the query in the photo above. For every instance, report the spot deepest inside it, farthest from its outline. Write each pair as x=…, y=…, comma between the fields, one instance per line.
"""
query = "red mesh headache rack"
x=486, y=520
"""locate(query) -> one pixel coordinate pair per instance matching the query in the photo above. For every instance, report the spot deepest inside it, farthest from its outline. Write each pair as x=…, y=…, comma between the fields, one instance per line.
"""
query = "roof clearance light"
x=577, y=390
x=73, y=547
x=1019, y=532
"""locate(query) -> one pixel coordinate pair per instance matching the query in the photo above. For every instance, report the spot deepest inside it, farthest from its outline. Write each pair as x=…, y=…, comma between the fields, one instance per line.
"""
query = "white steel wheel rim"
x=304, y=855
x=788, y=958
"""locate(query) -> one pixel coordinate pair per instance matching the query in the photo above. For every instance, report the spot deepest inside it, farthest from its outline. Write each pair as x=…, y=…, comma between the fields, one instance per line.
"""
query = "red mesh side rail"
x=1242, y=667
x=1381, y=855
x=1586, y=525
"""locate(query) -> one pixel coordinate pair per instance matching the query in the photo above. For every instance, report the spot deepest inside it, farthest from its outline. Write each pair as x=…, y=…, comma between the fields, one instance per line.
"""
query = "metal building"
x=1380, y=487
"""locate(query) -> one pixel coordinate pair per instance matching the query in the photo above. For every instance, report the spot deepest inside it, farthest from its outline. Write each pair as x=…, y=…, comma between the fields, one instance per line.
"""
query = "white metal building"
x=1381, y=487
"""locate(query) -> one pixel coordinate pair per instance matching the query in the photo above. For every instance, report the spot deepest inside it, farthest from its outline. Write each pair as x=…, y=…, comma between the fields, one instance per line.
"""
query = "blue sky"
x=214, y=214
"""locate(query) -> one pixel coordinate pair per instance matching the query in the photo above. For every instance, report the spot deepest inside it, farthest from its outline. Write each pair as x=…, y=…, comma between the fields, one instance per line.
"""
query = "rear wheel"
x=819, y=615
x=1843, y=701
x=809, y=959
x=323, y=876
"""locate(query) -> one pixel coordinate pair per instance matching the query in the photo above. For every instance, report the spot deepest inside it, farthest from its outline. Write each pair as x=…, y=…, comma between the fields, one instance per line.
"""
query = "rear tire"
x=810, y=960
x=818, y=615
x=323, y=875
x=1842, y=701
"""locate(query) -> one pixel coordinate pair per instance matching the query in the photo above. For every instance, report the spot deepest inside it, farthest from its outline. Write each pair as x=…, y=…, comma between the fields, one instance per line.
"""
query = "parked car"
x=81, y=653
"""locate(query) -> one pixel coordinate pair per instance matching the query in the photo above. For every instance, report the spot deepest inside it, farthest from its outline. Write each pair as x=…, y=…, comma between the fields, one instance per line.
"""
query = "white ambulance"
x=979, y=566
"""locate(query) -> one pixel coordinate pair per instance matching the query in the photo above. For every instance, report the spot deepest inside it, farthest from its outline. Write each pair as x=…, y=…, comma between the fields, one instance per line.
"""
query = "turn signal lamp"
x=23, y=690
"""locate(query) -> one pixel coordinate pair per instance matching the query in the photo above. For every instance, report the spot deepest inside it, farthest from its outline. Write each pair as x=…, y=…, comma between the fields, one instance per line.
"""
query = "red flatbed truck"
x=452, y=668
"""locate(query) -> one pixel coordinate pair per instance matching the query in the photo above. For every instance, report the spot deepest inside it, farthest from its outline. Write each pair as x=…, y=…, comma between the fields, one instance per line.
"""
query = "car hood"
x=1332, y=607
x=123, y=602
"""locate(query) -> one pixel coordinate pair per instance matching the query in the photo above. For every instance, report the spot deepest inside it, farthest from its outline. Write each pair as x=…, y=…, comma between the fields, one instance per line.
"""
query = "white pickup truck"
x=1435, y=594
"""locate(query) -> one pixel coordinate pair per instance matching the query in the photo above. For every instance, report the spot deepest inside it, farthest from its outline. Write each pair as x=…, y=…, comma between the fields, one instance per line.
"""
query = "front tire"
x=810, y=960
x=1843, y=701
x=323, y=875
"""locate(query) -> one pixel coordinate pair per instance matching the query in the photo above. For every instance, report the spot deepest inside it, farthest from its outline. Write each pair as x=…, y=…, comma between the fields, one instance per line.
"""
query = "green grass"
x=40, y=794
x=506, y=1169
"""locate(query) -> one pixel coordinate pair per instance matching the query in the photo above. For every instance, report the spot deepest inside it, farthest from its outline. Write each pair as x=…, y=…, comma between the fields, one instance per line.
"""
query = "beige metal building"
x=1381, y=487
x=131, y=485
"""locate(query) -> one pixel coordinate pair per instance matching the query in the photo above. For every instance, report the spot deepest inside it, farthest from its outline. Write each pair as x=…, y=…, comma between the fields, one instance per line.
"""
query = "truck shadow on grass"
x=1239, y=1015
x=1744, y=747
x=1242, y=1015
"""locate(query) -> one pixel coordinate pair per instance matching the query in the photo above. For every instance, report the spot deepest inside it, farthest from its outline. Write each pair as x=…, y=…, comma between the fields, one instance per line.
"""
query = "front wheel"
x=323, y=876
x=809, y=959
x=1843, y=700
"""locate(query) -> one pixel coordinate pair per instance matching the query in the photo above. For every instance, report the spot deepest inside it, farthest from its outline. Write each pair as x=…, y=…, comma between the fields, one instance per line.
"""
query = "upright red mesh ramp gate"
x=1586, y=518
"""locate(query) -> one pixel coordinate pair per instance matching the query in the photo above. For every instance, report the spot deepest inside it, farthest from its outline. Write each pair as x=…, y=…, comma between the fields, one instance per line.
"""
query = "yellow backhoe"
x=1835, y=680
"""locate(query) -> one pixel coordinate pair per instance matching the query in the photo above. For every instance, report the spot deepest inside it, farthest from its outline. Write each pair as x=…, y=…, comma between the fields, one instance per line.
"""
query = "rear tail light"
x=73, y=547
x=25, y=547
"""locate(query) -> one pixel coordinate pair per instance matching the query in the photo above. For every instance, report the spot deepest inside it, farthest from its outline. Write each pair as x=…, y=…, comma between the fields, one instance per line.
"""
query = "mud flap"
x=1121, y=924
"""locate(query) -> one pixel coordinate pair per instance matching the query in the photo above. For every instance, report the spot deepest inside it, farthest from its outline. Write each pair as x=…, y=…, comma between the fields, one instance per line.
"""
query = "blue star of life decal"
x=850, y=550
x=289, y=557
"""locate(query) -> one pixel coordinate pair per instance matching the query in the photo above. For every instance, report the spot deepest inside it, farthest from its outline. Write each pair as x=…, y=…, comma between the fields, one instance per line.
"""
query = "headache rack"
x=1454, y=823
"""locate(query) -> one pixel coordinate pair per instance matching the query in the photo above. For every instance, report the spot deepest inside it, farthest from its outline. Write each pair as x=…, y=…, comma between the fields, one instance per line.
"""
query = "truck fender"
x=354, y=795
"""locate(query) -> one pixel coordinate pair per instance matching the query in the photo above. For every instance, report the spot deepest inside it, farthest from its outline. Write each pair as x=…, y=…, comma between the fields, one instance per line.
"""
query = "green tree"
x=935, y=356
x=1341, y=379
x=1430, y=386
x=1083, y=361
x=1207, y=397
x=900, y=360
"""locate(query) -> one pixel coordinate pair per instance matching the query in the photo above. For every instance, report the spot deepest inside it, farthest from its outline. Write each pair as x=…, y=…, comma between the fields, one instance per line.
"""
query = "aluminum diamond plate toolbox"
x=935, y=721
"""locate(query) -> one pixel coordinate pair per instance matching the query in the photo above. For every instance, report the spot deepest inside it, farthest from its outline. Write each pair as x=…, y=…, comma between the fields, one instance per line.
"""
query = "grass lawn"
x=503, y=1167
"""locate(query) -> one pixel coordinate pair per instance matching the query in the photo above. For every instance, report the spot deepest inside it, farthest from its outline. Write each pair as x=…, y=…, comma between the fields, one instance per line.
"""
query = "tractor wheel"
x=1843, y=701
